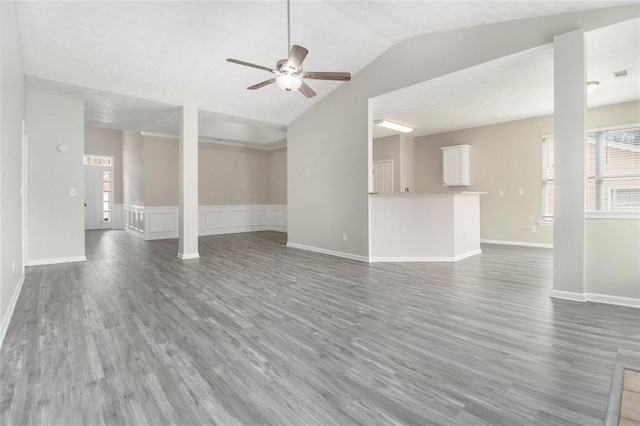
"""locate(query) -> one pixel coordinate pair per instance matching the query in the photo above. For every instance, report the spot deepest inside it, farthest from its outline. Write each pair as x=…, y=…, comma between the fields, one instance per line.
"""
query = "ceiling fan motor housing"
x=283, y=66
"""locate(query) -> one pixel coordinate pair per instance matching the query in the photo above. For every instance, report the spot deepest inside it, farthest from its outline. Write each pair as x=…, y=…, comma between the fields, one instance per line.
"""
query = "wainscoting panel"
x=258, y=217
x=134, y=220
x=239, y=218
x=162, y=222
x=215, y=220
x=278, y=218
x=156, y=222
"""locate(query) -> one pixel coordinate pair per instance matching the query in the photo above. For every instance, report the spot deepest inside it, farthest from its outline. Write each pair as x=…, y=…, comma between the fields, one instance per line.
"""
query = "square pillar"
x=569, y=122
x=188, y=181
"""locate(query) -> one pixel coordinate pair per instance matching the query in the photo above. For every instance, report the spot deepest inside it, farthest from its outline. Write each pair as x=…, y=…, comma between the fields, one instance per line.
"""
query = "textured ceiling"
x=514, y=87
x=164, y=54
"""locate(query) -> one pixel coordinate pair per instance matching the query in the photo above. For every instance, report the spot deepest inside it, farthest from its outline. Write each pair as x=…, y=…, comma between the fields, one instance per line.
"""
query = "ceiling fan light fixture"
x=393, y=126
x=288, y=82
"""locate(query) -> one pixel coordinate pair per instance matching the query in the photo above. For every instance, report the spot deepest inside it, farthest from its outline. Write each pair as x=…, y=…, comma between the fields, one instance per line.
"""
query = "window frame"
x=598, y=177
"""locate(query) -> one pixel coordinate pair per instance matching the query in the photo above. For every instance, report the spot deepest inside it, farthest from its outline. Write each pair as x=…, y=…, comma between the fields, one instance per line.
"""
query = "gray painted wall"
x=227, y=175
x=56, y=219
x=107, y=142
x=160, y=178
x=612, y=257
x=388, y=148
x=11, y=116
x=232, y=175
x=507, y=156
x=133, y=168
x=328, y=144
x=278, y=176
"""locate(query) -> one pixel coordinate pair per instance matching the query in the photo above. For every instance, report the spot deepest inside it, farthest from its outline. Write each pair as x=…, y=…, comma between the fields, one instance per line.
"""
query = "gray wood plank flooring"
x=256, y=333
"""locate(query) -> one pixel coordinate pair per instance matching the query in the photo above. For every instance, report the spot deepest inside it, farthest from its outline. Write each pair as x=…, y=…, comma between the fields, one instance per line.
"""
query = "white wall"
x=11, y=116
x=328, y=144
x=56, y=219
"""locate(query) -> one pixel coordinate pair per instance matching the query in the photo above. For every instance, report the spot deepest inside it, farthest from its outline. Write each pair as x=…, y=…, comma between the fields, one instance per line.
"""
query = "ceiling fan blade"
x=296, y=56
x=248, y=64
x=316, y=75
x=260, y=85
x=306, y=90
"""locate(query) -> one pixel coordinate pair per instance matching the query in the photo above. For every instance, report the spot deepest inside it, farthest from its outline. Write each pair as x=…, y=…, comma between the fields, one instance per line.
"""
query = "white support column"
x=188, y=172
x=570, y=102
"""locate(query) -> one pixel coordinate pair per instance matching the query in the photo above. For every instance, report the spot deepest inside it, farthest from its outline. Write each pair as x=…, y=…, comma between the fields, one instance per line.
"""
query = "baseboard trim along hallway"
x=629, y=302
x=329, y=252
x=12, y=306
x=40, y=262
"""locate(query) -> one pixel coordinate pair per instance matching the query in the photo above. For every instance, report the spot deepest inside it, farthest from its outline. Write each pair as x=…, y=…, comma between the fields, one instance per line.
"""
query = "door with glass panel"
x=98, y=193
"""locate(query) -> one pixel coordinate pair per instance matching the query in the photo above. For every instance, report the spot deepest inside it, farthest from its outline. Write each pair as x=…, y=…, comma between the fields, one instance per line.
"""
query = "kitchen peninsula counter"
x=424, y=227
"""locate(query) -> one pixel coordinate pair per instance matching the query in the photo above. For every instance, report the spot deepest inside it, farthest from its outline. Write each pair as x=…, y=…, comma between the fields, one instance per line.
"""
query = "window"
x=106, y=196
x=96, y=160
x=613, y=171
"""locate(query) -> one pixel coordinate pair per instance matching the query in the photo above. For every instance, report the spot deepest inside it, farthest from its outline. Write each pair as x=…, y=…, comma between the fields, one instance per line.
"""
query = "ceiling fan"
x=289, y=73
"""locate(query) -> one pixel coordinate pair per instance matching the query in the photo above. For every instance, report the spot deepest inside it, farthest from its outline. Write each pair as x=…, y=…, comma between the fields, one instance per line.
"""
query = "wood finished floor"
x=256, y=333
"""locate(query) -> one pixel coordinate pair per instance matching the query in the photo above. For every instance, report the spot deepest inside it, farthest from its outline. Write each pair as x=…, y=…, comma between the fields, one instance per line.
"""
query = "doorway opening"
x=98, y=192
x=383, y=176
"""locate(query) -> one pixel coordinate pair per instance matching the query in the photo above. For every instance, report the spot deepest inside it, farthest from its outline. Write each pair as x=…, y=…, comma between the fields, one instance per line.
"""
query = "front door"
x=92, y=197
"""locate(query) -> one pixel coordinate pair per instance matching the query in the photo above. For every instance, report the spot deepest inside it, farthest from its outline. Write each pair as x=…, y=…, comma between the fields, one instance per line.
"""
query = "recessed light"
x=393, y=126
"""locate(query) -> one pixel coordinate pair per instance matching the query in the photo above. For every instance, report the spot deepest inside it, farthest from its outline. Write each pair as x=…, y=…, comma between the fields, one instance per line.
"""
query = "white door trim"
x=24, y=195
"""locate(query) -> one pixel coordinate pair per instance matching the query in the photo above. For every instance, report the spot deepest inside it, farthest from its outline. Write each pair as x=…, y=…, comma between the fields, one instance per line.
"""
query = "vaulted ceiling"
x=514, y=87
x=135, y=62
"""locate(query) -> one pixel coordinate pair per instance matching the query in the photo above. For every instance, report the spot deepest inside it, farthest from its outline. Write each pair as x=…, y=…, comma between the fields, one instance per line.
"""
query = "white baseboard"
x=6, y=319
x=568, y=295
x=468, y=254
x=516, y=243
x=189, y=256
x=613, y=300
x=596, y=298
x=134, y=233
x=425, y=259
x=379, y=259
x=39, y=262
x=329, y=252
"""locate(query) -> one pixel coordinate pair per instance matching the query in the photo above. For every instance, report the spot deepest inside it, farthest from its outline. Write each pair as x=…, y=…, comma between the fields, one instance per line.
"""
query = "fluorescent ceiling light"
x=393, y=126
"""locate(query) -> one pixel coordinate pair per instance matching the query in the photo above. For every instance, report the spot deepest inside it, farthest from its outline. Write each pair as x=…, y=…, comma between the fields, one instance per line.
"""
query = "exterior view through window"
x=613, y=171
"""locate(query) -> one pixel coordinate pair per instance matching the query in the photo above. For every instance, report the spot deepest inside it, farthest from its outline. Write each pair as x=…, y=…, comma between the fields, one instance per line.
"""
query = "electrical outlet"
x=500, y=192
x=521, y=191
x=534, y=228
x=73, y=192
x=344, y=237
